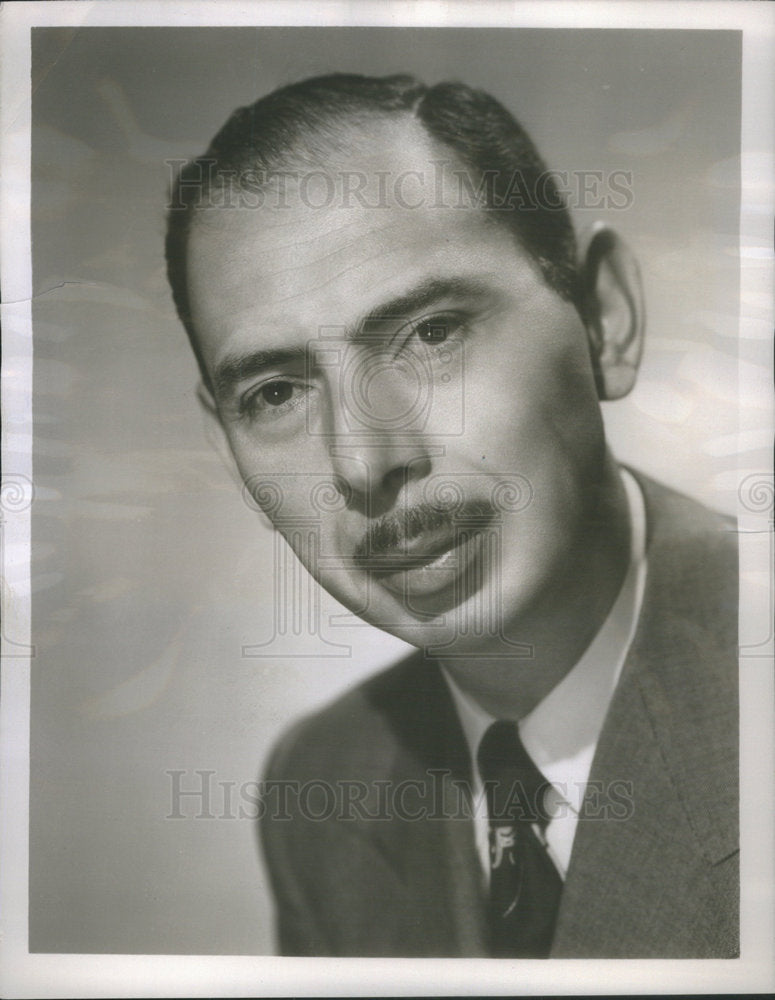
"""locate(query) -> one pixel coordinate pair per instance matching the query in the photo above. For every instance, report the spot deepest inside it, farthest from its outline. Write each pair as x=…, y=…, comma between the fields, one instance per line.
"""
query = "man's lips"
x=424, y=549
x=420, y=551
x=429, y=563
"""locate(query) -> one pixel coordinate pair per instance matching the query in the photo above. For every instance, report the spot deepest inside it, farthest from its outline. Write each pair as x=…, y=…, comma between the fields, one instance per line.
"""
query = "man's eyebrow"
x=234, y=368
x=419, y=298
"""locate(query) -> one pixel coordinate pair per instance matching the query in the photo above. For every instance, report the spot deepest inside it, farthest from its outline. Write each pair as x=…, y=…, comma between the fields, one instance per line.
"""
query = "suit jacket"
x=372, y=852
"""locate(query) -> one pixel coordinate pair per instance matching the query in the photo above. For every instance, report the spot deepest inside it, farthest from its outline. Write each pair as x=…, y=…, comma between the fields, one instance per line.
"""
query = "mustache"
x=389, y=535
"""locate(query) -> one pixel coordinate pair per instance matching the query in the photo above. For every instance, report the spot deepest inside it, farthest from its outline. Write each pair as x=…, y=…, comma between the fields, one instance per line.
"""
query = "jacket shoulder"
x=692, y=553
x=359, y=735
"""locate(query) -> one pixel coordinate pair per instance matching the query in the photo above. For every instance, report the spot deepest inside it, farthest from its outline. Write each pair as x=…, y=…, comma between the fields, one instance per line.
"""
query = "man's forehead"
x=300, y=279
x=308, y=238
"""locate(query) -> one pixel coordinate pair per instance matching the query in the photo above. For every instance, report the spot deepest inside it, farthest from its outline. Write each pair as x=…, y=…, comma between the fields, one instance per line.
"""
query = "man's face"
x=410, y=403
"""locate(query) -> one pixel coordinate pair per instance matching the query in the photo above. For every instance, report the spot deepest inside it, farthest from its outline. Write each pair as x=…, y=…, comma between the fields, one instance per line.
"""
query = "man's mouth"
x=429, y=572
x=431, y=559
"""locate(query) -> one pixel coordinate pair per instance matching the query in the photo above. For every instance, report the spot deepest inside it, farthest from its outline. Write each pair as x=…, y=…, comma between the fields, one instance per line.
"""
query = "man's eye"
x=435, y=330
x=276, y=393
x=273, y=399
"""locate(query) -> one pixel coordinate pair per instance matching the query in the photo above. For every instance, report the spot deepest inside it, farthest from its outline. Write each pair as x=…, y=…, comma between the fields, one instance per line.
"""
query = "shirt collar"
x=562, y=731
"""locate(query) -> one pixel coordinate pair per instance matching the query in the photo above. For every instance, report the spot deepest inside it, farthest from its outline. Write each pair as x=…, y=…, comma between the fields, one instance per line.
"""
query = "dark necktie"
x=525, y=886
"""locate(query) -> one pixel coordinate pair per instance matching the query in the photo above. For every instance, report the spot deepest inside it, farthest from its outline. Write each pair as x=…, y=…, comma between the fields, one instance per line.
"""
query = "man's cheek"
x=311, y=536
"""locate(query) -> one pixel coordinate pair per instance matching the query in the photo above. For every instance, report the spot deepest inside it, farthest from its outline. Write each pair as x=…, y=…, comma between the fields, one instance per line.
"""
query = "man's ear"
x=614, y=312
x=215, y=433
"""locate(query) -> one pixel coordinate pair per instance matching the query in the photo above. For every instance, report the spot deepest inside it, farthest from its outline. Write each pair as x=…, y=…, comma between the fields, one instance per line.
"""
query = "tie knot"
x=515, y=787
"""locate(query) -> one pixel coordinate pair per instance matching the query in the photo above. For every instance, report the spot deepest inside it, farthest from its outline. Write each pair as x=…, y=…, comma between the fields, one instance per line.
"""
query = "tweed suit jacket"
x=372, y=852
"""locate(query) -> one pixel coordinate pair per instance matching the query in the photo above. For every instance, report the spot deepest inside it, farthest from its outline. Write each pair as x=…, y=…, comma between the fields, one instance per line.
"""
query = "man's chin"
x=438, y=621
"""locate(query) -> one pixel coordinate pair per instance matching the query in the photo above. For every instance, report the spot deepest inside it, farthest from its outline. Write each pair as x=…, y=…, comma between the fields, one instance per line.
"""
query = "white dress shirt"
x=562, y=731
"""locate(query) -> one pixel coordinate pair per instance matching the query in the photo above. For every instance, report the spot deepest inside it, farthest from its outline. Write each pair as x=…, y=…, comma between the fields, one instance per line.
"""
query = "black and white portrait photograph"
x=387, y=501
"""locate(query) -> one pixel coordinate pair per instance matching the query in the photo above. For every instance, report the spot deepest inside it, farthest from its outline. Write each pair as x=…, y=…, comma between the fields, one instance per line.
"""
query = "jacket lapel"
x=661, y=807
x=433, y=858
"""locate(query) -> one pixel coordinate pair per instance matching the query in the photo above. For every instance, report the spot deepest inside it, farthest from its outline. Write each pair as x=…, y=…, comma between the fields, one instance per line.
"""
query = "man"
x=403, y=352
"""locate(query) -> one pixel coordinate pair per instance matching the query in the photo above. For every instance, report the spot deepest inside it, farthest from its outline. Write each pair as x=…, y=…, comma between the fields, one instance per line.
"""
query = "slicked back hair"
x=303, y=122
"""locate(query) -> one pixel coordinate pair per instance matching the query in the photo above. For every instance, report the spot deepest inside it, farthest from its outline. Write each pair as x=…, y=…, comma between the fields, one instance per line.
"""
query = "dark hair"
x=302, y=121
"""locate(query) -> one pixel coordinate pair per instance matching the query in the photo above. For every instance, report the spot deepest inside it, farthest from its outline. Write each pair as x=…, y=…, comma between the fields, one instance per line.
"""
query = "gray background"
x=149, y=573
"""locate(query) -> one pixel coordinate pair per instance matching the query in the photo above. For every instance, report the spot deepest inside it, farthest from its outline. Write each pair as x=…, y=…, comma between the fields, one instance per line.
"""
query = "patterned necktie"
x=525, y=886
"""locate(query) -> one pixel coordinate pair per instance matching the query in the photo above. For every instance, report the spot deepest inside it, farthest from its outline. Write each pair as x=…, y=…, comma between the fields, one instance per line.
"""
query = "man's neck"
x=563, y=623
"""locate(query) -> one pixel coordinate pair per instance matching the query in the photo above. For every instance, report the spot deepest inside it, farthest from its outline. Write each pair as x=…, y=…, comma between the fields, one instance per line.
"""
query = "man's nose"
x=378, y=442
x=371, y=471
